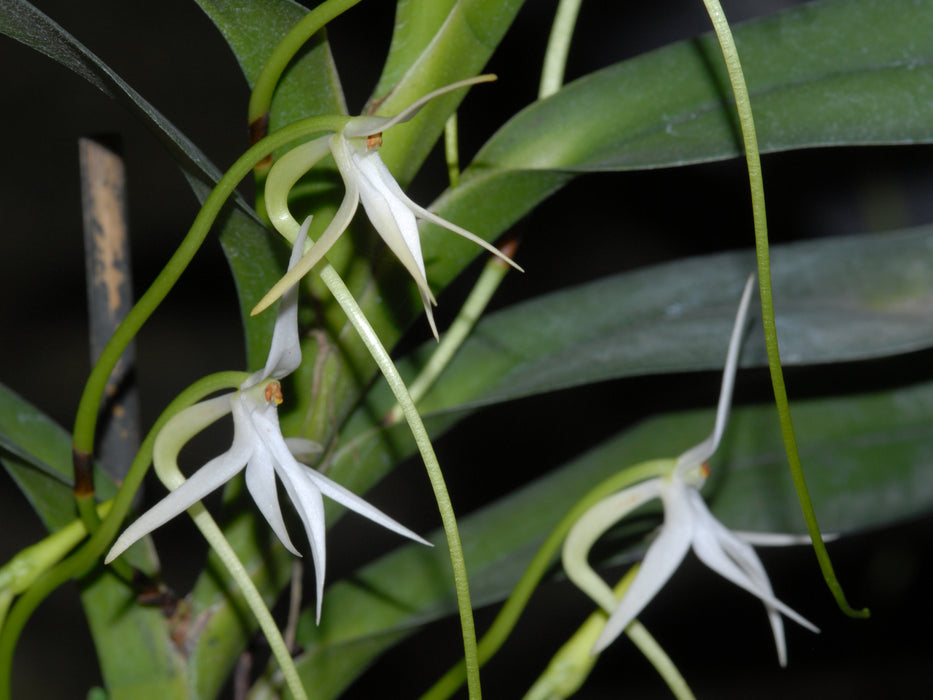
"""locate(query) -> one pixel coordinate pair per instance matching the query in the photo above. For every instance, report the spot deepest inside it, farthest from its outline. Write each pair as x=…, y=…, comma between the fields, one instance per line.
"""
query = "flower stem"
x=558, y=46
x=662, y=663
x=268, y=79
x=451, y=150
x=374, y=345
x=505, y=621
x=82, y=560
x=756, y=183
x=86, y=418
x=489, y=280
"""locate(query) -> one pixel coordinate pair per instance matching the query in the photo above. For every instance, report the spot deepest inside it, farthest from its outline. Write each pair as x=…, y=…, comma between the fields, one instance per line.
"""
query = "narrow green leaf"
x=33, y=438
x=829, y=73
x=416, y=24
x=840, y=299
x=38, y=459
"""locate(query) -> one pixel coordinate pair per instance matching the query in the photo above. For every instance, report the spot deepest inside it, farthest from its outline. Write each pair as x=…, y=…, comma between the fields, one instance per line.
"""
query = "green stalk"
x=87, y=556
x=86, y=418
x=552, y=76
x=452, y=150
x=481, y=294
x=505, y=621
x=420, y=433
x=753, y=163
x=558, y=46
x=260, y=100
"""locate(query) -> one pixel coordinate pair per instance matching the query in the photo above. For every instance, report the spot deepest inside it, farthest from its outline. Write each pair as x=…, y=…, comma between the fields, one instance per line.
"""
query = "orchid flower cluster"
x=688, y=524
x=258, y=445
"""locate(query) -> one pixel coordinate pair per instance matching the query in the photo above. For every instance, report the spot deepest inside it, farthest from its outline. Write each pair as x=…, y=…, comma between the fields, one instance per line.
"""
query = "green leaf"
x=37, y=455
x=833, y=73
x=869, y=463
x=839, y=300
x=459, y=49
x=137, y=657
x=253, y=29
x=844, y=72
x=32, y=437
x=417, y=22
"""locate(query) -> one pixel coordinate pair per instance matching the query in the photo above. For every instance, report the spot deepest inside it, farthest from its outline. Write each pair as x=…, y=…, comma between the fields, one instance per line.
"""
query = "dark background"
x=171, y=54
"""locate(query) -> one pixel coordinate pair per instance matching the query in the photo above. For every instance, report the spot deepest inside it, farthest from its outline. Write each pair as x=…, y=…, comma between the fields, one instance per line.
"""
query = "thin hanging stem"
x=471, y=311
x=558, y=46
x=343, y=297
x=753, y=163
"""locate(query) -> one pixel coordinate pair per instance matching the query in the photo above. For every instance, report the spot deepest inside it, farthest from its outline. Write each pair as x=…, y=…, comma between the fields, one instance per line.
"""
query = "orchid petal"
x=208, y=478
x=305, y=487
x=590, y=527
x=347, y=498
x=283, y=176
x=663, y=557
x=304, y=494
x=389, y=214
x=711, y=552
x=702, y=452
x=309, y=503
x=260, y=481
x=723, y=552
x=443, y=223
x=367, y=125
x=743, y=556
x=285, y=350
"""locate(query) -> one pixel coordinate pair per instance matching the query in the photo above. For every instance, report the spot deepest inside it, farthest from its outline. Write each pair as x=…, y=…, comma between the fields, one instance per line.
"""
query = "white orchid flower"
x=258, y=445
x=355, y=149
x=688, y=524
